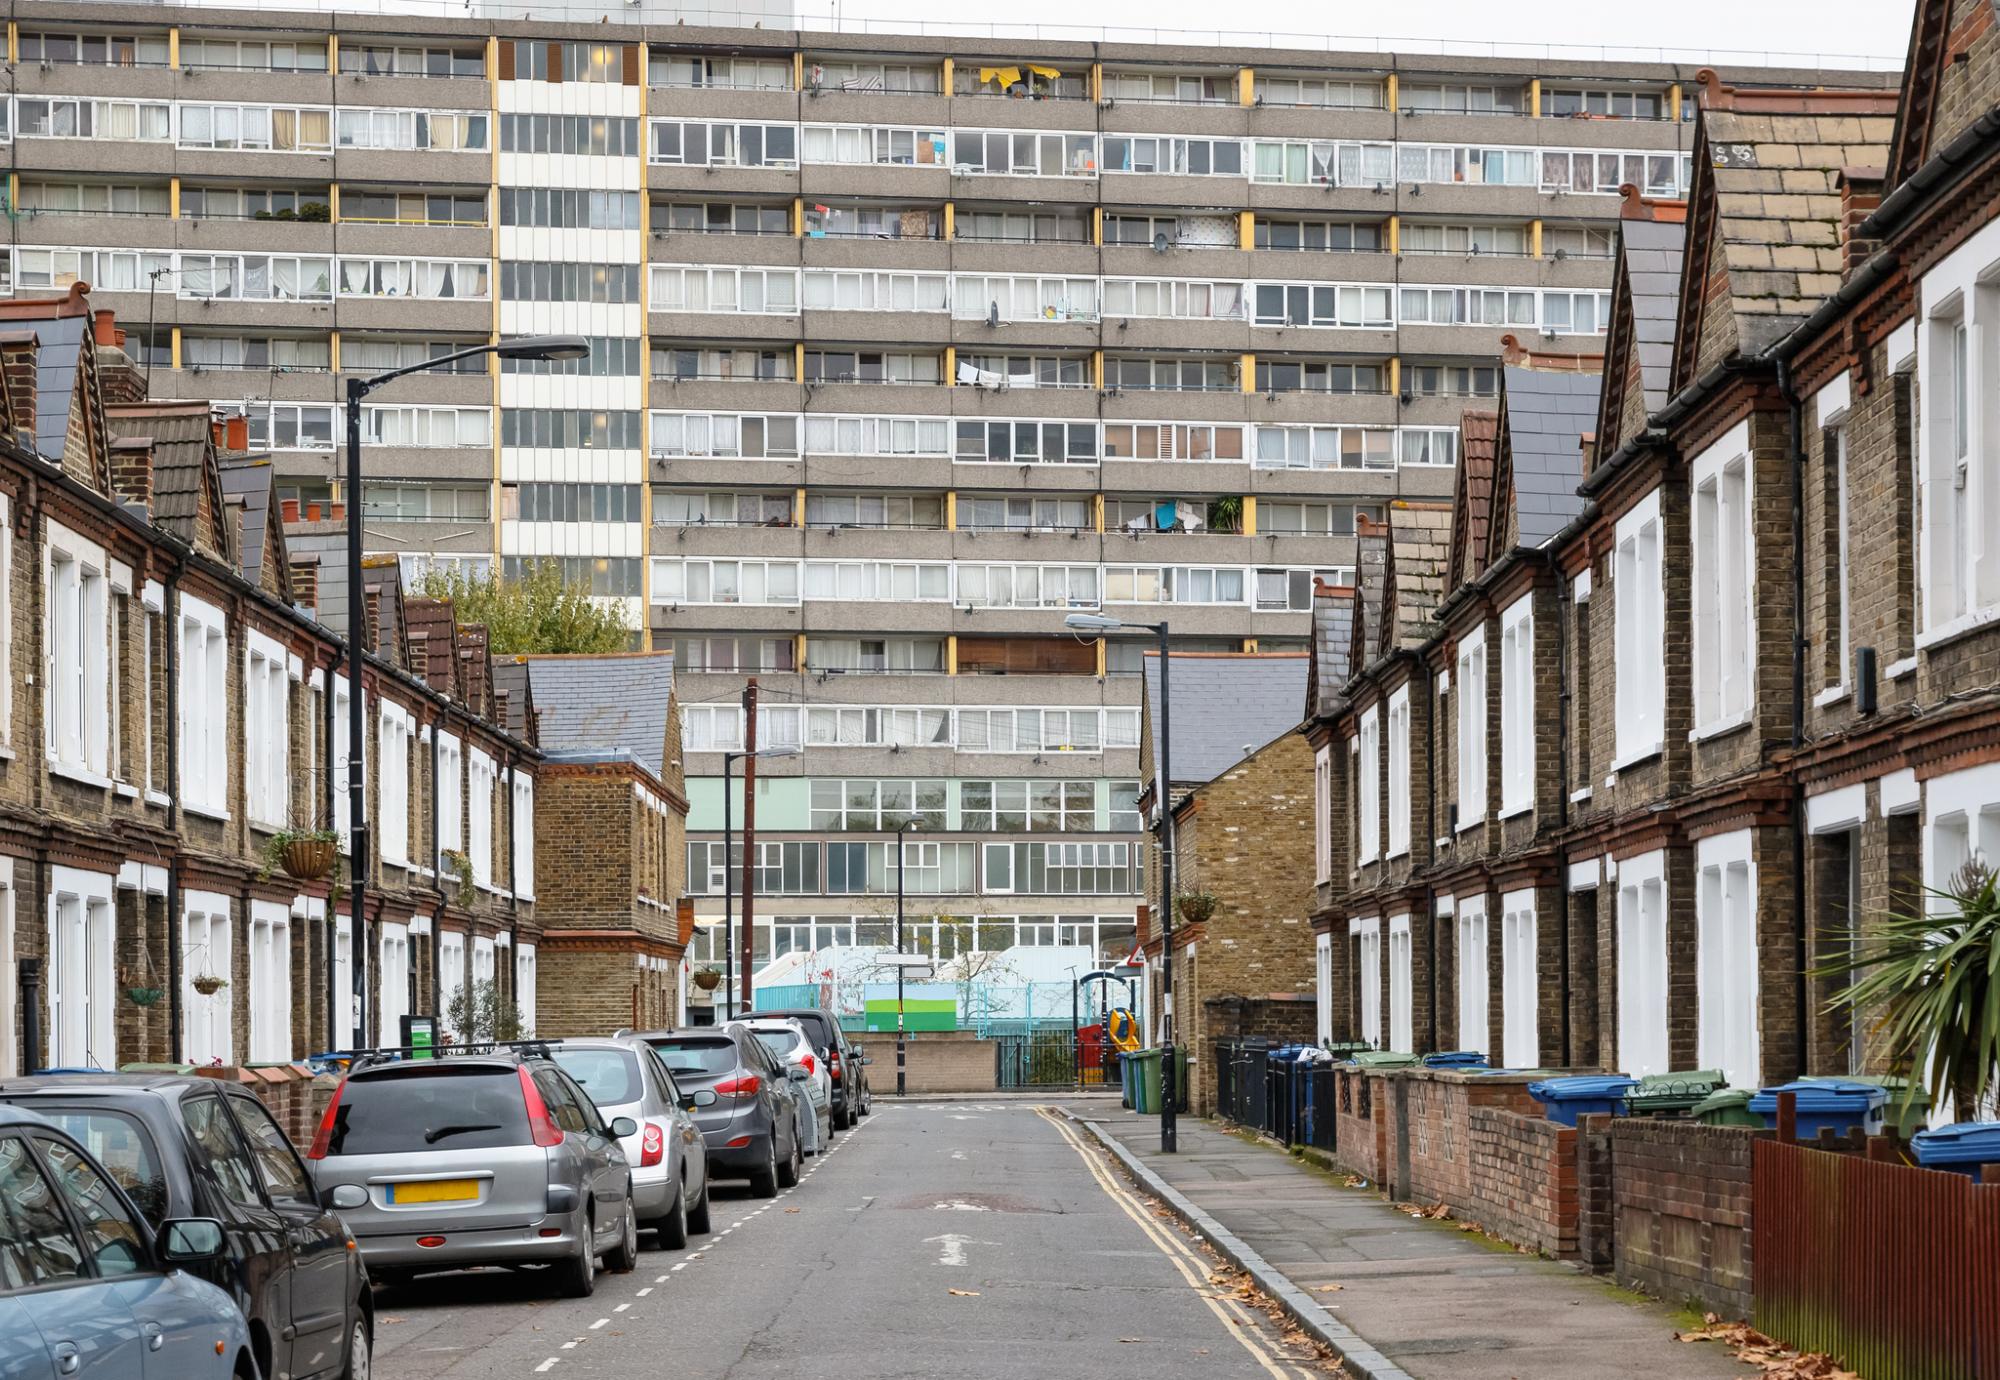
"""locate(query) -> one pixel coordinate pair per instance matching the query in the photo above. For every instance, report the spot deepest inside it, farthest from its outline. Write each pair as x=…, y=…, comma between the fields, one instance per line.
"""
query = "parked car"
x=477, y=1159
x=787, y=1040
x=846, y=1065
x=752, y=1130
x=668, y=1161
x=88, y=1289
x=182, y=1146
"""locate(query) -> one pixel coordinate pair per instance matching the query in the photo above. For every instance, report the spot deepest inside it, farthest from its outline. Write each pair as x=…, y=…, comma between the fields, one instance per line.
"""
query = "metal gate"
x=1038, y=1059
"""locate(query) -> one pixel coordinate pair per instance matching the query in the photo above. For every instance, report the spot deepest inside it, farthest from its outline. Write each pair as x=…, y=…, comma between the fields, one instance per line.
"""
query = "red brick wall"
x=1359, y=1138
x=1524, y=1180
x=1428, y=1124
x=1678, y=1204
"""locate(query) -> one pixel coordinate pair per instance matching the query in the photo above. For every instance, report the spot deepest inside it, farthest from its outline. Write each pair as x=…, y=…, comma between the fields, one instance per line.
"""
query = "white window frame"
x=1323, y=816
x=1958, y=354
x=526, y=975
x=1726, y=956
x=1368, y=977
x=1399, y=773
x=524, y=834
x=450, y=788
x=1402, y=1034
x=270, y=982
x=204, y=691
x=1723, y=501
x=266, y=731
x=1471, y=735
x=479, y=774
x=1474, y=976
x=1830, y=409
x=6, y=658
x=1517, y=707
x=1368, y=787
x=392, y=983
x=76, y=639
x=1520, y=990
x=9, y=971
x=1640, y=599
x=1322, y=987
x=451, y=961
x=1643, y=1045
x=394, y=730
x=82, y=970
x=343, y=981
x=207, y=1035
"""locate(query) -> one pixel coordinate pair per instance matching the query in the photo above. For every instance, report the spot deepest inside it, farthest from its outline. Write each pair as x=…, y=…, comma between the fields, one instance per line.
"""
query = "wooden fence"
x=1891, y=1269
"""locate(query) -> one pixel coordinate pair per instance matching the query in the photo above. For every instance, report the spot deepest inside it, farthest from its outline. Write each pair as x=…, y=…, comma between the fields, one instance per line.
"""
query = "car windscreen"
x=124, y=1147
x=442, y=1108
x=696, y=1059
x=608, y=1076
x=779, y=1042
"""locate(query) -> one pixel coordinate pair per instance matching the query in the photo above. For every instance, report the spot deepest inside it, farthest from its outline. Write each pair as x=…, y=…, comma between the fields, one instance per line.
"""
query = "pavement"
x=983, y=1239
x=1417, y=1299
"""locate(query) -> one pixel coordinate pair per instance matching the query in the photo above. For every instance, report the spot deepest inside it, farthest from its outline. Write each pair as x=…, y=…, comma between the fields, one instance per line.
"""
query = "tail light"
x=746, y=1086
x=546, y=1133
x=833, y=1062
x=652, y=1145
x=811, y=1066
x=323, y=1139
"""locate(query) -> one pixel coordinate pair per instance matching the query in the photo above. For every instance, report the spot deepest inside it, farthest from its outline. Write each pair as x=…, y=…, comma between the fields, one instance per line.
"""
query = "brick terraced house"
x=169, y=702
x=1727, y=680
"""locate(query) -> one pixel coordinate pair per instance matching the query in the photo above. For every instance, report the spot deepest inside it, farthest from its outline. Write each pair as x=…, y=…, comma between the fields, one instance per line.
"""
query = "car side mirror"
x=797, y=1073
x=700, y=1097
x=346, y=1197
x=867, y=1059
x=624, y=1126
x=190, y=1240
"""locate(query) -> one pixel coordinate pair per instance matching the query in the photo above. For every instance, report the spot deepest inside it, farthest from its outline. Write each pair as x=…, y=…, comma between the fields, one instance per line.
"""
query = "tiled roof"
x=1479, y=436
x=182, y=473
x=1652, y=260
x=1371, y=573
x=1263, y=692
x=429, y=623
x=1547, y=414
x=510, y=677
x=616, y=703
x=1332, y=644
x=1777, y=205
x=1419, y=545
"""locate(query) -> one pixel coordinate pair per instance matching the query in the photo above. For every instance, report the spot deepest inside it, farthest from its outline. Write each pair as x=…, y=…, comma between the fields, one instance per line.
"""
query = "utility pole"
x=749, y=838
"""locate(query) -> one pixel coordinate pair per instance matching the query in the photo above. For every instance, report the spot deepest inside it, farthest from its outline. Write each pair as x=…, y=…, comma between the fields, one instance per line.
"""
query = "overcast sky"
x=1879, y=29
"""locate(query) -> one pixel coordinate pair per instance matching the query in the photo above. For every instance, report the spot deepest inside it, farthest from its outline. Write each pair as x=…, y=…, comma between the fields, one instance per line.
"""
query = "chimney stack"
x=132, y=470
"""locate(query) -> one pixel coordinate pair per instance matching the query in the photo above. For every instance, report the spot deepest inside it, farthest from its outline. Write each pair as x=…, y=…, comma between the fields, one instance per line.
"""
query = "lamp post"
x=729, y=761
x=901, y=830
x=1169, y=1093
x=525, y=347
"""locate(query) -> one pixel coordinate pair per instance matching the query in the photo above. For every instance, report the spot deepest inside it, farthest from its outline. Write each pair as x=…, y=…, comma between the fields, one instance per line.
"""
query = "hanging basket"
x=708, y=979
x=144, y=996
x=308, y=859
x=208, y=984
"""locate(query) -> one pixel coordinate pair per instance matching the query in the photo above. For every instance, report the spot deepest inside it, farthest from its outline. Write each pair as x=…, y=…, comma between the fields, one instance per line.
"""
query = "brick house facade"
x=165, y=711
x=1766, y=629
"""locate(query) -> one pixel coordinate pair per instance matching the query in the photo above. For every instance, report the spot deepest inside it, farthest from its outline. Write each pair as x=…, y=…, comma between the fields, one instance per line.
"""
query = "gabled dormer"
x=1414, y=581
x=260, y=538
x=1472, y=496
x=1645, y=296
x=1331, y=648
x=53, y=377
x=433, y=640
x=1947, y=80
x=186, y=498
x=1545, y=416
x=382, y=604
x=1371, y=557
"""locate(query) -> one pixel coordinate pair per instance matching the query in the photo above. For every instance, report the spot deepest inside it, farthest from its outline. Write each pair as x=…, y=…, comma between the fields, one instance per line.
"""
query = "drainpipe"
x=1564, y=698
x=333, y=1039
x=513, y=893
x=1795, y=436
x=1430, y=858
x=170, y=620
x=437, y=862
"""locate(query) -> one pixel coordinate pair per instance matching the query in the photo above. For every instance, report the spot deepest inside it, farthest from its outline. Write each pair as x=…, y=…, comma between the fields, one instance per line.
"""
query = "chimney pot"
x=237, y=433
x=104, y=326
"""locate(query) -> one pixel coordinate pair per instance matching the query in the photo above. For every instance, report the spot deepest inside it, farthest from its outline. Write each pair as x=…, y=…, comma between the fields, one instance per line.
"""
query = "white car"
x=788, y=1042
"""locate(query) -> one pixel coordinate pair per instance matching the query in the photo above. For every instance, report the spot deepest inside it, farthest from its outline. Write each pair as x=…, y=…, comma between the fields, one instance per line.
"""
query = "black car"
x=198, y=1147
x=845, y=1063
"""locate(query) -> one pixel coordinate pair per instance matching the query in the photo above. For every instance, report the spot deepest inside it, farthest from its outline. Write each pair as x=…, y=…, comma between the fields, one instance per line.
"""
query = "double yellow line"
x=1239, y=1321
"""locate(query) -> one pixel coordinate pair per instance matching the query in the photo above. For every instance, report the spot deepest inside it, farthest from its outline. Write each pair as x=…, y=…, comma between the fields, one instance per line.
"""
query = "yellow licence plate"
x=435, y=1191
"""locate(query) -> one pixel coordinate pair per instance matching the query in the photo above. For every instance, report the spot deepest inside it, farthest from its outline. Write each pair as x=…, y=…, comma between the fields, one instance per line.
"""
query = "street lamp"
x=901, y=830
x=1169, y=1093
x=729, y=761
x=524, y=347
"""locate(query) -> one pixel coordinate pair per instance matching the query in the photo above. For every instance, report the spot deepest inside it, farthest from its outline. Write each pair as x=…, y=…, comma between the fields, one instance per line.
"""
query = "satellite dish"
x=1160, y=243
x=993, y=314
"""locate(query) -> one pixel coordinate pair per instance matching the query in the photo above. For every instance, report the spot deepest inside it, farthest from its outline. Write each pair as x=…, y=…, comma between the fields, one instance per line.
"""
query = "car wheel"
x=867, y=1102
x=360, y=1351
x=390, y=1279
x=673, y=1228
x=764, y=1178
x=623, y=1258
x=789, y=1171
x=697, y=1218
x=576, y=1278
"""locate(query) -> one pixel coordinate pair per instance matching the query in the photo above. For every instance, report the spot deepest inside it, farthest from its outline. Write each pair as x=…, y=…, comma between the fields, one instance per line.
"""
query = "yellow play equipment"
x=1123, y=1029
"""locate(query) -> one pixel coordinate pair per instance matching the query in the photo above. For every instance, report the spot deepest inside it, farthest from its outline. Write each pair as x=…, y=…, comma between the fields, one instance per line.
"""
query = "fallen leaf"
x=1326, y=1288
x=391, y=1318
x=791, y=1210
x=963, y=1293
x=1131, y=1339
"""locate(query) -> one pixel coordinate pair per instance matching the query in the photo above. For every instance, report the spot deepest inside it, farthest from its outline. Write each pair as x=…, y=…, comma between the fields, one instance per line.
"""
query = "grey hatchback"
x=751, y=1130
x=477, y=1159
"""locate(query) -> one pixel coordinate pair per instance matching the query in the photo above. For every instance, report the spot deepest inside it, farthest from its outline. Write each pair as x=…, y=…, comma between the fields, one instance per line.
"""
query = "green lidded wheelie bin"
x=1727, y=1107
x=1674, y=1094
x=1145, y=1081
x=1381, y=1059
x=1908, y=1109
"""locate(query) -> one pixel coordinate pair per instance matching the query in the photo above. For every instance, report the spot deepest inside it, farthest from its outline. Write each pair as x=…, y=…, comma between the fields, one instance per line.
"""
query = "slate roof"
x=1472, y=504
x=615, y=703
x=1262, y=691
x=1547, y=413
x=246, y=488
x=510, y=677
x=1652, y=251
x=58, y=358
x=1419, y=549
x=1332, y=645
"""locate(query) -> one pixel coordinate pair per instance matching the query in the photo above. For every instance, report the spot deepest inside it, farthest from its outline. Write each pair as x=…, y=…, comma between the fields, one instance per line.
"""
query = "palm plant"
x=1932, y=976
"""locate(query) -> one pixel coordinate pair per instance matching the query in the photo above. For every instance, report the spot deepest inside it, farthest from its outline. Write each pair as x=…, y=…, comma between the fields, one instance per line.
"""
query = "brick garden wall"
x=1524, y=1180
x=939, y=1062
x=1428, y=1129
x=1359, y=1124
x=1677, y=1199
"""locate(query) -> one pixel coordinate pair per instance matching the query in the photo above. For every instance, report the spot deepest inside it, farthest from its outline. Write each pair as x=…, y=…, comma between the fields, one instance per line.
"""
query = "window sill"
x=1962, y=626
x=126, y=792
x=160, y=798
x=80, y=774
x=1896, y=670
x=1833, y=694
x=6, y=753
x=1468, y=826
x=1514, y=812
x=1720, y=728
x=219, y=816
x=1578, y=797
x=1395, y=853
x=1644, y=754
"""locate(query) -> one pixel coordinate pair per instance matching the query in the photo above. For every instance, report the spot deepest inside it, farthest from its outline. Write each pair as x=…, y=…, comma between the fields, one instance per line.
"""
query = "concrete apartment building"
x=903, y=346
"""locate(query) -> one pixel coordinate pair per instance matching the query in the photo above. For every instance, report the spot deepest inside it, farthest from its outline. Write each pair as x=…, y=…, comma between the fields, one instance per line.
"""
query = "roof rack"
x=358, y=1059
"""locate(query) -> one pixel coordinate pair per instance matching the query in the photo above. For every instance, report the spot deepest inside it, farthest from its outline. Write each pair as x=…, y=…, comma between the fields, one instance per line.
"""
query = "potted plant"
x=707, y=979
x=208, y=984
x=460, y=866
x=305, y=854
x=1195, y=906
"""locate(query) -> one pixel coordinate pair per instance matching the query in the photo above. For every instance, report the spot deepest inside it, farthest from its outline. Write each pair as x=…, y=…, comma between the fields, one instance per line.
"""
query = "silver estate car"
x=626, y=1080
x=477, y=1159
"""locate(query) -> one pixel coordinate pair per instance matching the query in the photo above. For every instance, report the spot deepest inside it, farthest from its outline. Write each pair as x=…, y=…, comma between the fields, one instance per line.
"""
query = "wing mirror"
x=797, y=1073
x=190, y=1240
x=347, y=1197
x=701, y=1097
x=623, y=1126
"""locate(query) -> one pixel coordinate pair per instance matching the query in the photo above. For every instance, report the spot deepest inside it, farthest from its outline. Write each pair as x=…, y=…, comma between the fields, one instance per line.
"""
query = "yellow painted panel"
x=950, y=511
x=333, y=53
x=1249, y=644
x=950, y=223
x=173, y=48
x=1390, y=94
x=1101, y=657
x=951, y=654
x=1674, y=101
x=798, y=71
x=1097, y=225
x=1097, y=81
x=14, y=42
x=798, y=216
x=332, y=346
x=173, y=198
x=333, y=203
x=1247, y=373
x=174, y=350
x=1249, y=515
x=1535, y=98
x=1395, y=376
x=1535, y=237
x=1097, y=511
x=945, y=70
x=799, y=507
x=1097, y=370
x=1246, y=229
x=1395, y=234
x=1246, y=86
x=950, y=366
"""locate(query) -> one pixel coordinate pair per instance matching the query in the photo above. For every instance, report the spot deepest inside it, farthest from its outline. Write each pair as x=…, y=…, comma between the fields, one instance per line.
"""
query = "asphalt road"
x=963, y=1241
